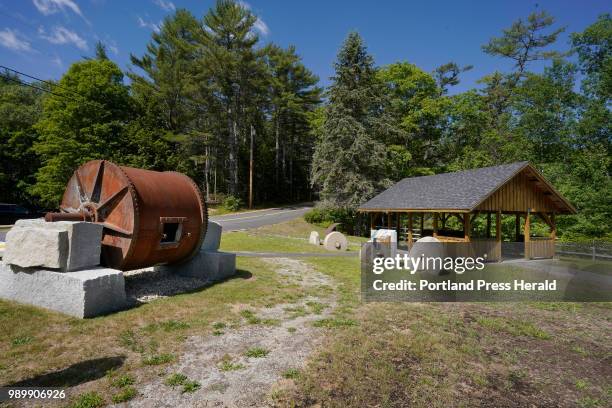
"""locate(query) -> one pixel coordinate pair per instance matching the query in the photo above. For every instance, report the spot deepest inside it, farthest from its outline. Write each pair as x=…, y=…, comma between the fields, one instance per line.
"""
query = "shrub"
x=257, y=352
x=232, y=203
x=325, y=215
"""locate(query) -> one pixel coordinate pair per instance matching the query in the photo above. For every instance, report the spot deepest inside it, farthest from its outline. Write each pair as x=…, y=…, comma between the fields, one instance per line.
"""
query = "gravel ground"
x=249, y=384
x=145, y=285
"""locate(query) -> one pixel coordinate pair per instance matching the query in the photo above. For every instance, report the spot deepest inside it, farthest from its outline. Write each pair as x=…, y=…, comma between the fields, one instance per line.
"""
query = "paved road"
x=255, y=219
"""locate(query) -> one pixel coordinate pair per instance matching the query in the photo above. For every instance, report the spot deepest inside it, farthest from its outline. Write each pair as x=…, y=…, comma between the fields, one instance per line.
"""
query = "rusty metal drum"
x=149, y=217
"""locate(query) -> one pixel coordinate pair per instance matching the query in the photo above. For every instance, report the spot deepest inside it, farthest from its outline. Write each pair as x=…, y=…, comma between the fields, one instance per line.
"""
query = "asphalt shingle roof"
x=462, y=190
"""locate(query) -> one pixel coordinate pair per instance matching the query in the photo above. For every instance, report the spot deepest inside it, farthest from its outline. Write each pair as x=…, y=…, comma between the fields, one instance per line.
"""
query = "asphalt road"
x=255, y=219
x=248, y=220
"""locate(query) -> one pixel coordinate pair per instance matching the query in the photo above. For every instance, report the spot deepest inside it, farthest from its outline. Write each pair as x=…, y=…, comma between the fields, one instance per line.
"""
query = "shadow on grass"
x=147, y=286
x=73, y=375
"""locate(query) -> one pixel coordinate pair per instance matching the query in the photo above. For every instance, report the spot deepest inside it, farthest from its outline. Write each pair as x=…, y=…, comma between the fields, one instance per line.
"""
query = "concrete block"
x=32, y=247
x=212, y=239
x=314, y=238
x=31, y=243
x=84, y=293
x=211, y=266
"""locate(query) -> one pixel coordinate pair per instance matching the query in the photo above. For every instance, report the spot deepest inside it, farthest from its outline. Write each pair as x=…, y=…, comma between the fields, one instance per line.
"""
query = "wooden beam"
x=409, y=231
x=466, y=228
x=553, y=227
x=435, y=224
x=372, y=216
x=422, y=223
x=488, y=225
x=498, y=235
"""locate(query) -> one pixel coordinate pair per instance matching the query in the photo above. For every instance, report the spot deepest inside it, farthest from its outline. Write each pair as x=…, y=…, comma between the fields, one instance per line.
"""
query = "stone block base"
x=212, y=266
x=85, y=293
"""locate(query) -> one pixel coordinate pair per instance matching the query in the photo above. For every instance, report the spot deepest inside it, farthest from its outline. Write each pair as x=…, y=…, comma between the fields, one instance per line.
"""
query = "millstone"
x=335, y=241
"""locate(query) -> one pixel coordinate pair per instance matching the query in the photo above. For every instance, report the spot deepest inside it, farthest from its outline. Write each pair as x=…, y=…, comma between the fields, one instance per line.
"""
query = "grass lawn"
x=374, y=354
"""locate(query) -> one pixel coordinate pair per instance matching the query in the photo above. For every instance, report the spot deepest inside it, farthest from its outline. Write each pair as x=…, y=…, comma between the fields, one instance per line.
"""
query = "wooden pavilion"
x=516, y=189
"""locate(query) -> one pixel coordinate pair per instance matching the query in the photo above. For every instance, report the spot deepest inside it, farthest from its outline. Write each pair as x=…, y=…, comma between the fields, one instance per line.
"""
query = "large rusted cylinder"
x=149, y=217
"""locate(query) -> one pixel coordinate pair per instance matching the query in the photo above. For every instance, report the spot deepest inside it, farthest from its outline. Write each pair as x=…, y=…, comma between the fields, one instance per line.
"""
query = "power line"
x=41, y=80
x=20, y=82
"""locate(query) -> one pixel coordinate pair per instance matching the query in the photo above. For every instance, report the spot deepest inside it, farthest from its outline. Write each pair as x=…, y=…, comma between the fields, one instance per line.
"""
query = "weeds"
x=126, y=394
x=88, y=400
x=226, y=364
x=175, y=380
x=158, y=359
x=334, y=323
x=291, y=373
x=257, y=352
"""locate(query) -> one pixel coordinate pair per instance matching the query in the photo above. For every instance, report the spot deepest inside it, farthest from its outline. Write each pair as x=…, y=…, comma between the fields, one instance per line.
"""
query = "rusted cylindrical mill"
x=149, y=217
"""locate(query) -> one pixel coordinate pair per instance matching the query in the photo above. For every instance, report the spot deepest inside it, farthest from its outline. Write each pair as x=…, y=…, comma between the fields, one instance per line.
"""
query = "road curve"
x=259, y=218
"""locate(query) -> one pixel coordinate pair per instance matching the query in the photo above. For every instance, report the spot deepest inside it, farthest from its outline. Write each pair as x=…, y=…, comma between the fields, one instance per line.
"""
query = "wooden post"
x=527, y=243
x=517, y=227
x=435, y=224
x=409, y=231
x=422, y=223
x=372, y=215
x=251, y=167
x=466, y=227
x=397, y=225
x=553, y=234
x=488, y=225
x=498, y=243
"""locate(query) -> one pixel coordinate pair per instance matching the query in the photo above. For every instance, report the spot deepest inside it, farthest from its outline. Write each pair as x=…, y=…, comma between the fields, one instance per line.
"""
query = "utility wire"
x=20, y=82
x=41, y=80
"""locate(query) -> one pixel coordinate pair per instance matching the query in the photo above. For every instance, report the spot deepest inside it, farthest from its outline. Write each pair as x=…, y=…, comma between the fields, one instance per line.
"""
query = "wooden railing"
x=540, y=248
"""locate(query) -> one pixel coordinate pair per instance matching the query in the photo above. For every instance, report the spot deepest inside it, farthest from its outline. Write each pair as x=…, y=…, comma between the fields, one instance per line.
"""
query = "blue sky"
x=43, y=37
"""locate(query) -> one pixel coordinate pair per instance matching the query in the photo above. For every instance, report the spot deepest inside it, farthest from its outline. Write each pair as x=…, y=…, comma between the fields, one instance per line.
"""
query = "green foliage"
x=123, y=381
x=83, y=120
x=158, y=359
x=257, y=352
x=232, y=203
x=175, y=379
x=20, y=109
x=126, y=394
x=88, y=400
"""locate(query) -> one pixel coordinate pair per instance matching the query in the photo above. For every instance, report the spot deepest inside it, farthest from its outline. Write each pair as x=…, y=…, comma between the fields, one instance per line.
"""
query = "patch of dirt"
x=285, y=332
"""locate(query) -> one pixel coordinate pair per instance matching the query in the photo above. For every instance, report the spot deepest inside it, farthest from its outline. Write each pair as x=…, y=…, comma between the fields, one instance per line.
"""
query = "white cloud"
x=261, y=26
x=62, y=35
x=56, y=60
x=165, y=5
x=12, y=40
x=149, y=24
x=48, y=7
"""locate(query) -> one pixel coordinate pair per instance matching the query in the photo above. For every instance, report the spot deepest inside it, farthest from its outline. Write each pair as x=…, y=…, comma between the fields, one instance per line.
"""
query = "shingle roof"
x=462, y=190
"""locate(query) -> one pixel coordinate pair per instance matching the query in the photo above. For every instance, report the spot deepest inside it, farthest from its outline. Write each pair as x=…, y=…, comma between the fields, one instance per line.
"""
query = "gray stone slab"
x=36, y=247
x=32, y=243
x=212, y=266
x=212, y=239
x=84, y=293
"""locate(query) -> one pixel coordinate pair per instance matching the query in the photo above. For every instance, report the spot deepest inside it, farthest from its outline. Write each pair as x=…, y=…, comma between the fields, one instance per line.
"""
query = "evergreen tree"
x=349, y=160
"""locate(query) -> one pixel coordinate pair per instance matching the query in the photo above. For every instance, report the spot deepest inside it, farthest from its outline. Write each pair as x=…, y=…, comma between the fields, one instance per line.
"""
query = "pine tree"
x=349, y=160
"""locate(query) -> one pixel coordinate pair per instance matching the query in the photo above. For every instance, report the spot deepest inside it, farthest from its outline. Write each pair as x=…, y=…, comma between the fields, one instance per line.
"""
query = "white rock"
x=335, y=241
x=314, y=238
